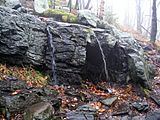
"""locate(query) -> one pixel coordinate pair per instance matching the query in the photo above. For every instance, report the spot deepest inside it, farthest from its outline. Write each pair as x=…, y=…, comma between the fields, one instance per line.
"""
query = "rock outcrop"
x=124, y=57
x=23, y=40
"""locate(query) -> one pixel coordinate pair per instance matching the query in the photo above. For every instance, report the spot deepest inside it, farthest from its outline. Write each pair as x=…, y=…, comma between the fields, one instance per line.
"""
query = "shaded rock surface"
x=123, y=109
x=156, y=99
x=23, y=41
x=154, y=115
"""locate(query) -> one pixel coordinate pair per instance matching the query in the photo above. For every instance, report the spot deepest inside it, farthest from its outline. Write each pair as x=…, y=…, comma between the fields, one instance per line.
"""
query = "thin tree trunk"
x=139, y=15
x=54, y=4
x=83, y=4
x=70, y=5
x=154, y=22
x=88, y=3
x=77, y=5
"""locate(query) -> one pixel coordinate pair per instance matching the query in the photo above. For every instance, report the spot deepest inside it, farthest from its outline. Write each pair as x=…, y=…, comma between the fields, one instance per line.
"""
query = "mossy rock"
x=60, y=15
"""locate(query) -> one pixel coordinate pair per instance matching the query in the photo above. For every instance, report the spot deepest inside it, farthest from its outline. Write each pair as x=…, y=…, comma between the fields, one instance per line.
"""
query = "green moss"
x=63, y=15
x=145, y=91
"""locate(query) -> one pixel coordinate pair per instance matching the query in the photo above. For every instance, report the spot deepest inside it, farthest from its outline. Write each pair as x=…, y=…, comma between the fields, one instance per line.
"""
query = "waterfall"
x=103, y=58
x=52, y=50
x=102, y=53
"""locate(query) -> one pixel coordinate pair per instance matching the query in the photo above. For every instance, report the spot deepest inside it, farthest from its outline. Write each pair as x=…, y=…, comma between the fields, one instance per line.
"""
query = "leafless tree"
x=88, y=4
x=80, y=4
x=139, y=15
x=154, y=22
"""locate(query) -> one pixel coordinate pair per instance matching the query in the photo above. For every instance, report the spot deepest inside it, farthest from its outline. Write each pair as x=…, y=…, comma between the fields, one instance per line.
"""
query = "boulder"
x=86, y=17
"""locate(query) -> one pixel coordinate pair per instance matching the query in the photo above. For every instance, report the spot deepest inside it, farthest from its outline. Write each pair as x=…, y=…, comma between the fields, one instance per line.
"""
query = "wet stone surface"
x=141, y=106
x=86, y=108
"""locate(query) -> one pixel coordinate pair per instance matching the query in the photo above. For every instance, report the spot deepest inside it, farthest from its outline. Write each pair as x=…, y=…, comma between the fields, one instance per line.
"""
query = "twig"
x=85, y=116
x=145, y=29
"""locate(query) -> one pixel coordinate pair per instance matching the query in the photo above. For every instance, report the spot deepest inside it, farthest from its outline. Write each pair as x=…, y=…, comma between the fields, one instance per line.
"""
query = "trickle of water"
x=103, y=56
x=53, y=63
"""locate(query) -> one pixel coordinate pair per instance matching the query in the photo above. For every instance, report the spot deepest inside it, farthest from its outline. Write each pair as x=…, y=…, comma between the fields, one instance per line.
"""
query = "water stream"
x=51, y=47
x=103, y=57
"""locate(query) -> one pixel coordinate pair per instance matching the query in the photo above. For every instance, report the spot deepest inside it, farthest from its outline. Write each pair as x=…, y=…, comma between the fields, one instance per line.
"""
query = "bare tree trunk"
x=101, y=12
x=149, y=20
x=154, y=22
x=77, y=5
x=88, y=3
x=70, y=5
x=54, y=4
x=83, y=4
x=139, y=15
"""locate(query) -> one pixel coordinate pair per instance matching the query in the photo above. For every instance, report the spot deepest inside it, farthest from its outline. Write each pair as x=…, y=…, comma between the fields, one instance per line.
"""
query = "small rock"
x=86, y=17
x=39, y=111
x=86, y=108
x=80, y=116
x=109, y=101
x=141, y=106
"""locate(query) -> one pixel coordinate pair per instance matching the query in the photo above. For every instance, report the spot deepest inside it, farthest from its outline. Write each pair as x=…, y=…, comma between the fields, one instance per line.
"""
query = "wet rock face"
x=70, y=52
x=23, y=40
